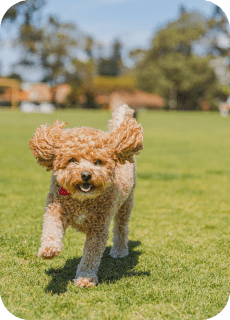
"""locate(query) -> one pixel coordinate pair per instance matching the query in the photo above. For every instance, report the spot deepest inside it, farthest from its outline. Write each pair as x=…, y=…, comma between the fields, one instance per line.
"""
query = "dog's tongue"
x=85, y=187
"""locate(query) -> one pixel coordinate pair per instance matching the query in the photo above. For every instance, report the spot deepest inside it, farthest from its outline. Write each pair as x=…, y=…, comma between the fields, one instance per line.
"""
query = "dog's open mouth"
x=85, y=187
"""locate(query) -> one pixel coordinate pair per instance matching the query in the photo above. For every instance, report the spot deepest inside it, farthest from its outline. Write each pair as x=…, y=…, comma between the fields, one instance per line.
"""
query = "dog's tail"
x=118, y=116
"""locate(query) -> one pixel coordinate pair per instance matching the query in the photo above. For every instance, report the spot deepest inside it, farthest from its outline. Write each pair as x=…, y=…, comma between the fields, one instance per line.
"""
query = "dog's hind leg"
x=121, y=230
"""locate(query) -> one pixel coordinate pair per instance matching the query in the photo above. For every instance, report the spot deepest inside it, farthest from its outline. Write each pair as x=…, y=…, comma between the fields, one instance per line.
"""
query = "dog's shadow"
x=110, y=269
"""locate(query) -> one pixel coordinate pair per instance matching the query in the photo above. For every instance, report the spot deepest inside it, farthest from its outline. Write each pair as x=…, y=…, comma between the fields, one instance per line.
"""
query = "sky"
x=134, y=22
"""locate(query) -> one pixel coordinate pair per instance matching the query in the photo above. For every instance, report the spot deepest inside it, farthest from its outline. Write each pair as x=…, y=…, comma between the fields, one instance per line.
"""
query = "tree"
x=220, y=38
x=52, y=49
x=89, y=43
x=83, y=83
x=111, y=66
x=15, y=76
x=219, y=44
x=182, y=9
x=172, y=69
x=48, y=48
x=137, y=55
x=24, y=12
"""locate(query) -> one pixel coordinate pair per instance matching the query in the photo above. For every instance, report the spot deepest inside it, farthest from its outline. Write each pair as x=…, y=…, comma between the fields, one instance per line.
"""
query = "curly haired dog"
x=93, y=179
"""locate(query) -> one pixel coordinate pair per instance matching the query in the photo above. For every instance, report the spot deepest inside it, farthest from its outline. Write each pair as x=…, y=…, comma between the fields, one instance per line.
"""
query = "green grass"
x=179, y=261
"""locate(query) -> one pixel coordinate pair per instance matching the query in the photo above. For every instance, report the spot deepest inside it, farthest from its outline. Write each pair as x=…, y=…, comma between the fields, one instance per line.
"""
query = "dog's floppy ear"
x=127, y=140
x=45, y=143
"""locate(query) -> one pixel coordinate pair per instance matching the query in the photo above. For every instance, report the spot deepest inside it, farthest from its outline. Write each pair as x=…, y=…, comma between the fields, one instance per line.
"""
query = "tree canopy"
x=111, y=67
x=175, y=66
x=173, y=69
x=24, y=12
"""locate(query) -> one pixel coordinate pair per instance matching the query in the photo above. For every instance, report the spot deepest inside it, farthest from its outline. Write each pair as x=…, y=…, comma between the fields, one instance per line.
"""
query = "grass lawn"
x=179, y=261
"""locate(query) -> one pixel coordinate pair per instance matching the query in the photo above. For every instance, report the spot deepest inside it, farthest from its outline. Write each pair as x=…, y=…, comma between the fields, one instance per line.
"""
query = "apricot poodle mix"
x=93, y=179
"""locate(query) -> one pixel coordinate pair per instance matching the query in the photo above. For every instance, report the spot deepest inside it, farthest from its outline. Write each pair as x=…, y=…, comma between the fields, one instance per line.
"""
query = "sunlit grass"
x=178, y=267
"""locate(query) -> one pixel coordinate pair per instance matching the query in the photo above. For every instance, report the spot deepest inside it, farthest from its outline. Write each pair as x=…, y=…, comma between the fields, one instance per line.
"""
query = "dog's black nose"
x=86, y=176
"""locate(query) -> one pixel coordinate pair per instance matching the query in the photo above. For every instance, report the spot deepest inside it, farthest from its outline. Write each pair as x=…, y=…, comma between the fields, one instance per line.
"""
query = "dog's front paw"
x=49, y=251
x=85, y=282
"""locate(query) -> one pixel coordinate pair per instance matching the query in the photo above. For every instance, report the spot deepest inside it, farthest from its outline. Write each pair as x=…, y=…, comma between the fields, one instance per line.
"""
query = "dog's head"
x=84, y=159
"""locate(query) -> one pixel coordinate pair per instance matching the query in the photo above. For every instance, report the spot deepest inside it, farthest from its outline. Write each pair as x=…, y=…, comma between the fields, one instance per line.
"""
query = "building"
x=136, y=100
x=37, y=92
x=60, y=92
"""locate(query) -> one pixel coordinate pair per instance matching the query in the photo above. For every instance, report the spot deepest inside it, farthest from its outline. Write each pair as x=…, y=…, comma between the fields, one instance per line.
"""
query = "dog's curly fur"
x=97, y=169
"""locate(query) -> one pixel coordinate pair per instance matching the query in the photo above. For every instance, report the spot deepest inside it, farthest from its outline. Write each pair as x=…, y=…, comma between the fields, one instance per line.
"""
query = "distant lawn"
x=179, y=262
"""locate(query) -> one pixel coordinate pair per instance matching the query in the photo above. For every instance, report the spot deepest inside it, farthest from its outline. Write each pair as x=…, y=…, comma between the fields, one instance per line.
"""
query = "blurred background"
x=99, y=54
x=80, y=59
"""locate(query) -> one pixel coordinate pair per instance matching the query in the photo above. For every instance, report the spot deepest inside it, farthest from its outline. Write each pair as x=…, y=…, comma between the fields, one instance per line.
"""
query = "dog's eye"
x=73, y=160
x=97, y=162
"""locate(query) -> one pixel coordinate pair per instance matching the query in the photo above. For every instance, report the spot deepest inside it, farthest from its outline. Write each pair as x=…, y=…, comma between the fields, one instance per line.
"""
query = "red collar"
x=63, y=192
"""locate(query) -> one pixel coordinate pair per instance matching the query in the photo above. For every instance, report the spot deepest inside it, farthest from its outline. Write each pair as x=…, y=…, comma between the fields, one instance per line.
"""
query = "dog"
x=93, y=179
